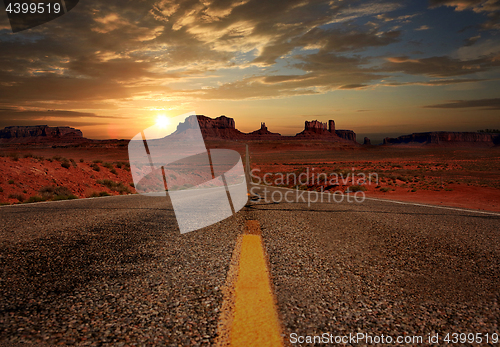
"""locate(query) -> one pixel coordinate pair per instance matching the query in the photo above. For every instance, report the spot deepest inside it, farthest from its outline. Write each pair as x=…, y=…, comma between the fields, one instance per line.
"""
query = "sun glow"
x=162, y=122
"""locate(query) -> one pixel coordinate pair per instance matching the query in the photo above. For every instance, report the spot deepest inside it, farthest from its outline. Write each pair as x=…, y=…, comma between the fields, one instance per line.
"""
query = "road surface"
x=115, y=271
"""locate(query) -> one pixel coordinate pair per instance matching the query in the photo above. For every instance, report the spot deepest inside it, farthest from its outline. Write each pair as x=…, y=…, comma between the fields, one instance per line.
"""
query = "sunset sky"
x=110, y=68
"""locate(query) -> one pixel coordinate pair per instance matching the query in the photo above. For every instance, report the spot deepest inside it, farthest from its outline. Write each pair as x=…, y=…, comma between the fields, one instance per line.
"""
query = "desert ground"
x=457, y=177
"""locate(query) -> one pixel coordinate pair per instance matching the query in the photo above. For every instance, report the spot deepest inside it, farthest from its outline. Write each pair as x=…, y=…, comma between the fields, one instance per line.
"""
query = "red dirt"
x=467, y=178
x=26, y=176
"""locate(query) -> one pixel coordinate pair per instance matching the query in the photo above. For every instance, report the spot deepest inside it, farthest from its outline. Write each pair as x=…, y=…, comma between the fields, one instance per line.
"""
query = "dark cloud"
x=20, y=117
x=440, y=82
x=104, y=53
x=40, y=114
x=490, y=7
x=443, y=66
x=471, y=40
x=476, y=5
x=486, y=104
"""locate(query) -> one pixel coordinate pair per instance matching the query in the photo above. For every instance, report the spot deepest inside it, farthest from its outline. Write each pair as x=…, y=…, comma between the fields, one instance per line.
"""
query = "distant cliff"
x=316, y=129
x=445, y=138
x=40, y=133
x=224, y=128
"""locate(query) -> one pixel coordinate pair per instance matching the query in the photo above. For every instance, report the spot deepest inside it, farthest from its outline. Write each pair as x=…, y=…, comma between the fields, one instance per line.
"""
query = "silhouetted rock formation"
x=40, y=133
x=445, y=138
x=346, y=135
x=366, y=141
x=264, y=134
x=317, y=129
x=219, y=128
x=331, y=126
x=224, y=128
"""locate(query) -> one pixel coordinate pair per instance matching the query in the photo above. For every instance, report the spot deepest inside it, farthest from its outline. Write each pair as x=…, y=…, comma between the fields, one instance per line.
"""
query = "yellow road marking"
x=254, y=320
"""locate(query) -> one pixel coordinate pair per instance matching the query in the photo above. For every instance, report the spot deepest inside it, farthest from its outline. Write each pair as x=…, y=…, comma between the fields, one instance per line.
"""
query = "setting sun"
x=162, y=122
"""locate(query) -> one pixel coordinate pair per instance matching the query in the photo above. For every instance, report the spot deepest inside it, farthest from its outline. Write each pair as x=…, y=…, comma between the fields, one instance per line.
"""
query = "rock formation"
x=366, y=141
x=263, y=134
x=444, y=138
x=315, y=127
x=346, y=135
x=331, y=126
x=219, y=128
x=40, y=133
x=224, y=128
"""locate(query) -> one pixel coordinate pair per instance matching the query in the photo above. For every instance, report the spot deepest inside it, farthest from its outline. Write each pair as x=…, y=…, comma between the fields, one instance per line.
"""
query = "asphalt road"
x=116, y=271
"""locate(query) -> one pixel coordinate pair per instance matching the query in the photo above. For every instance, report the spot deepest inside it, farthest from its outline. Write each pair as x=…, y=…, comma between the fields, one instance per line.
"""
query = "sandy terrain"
x=460, y=177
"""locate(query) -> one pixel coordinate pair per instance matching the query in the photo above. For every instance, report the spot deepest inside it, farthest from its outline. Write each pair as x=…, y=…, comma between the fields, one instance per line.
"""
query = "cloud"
x=42, y=114
x=475, y=5
x=423, y=27
x=440, y=82
x=115, y=54
x=22, y=117
x=471, y=40
x=439, y=66
x=487, y=48
x=486, y=104
x=490, y=7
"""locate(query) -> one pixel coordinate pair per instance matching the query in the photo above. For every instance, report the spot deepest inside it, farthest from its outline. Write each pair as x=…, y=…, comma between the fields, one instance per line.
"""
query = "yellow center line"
x=253, y=320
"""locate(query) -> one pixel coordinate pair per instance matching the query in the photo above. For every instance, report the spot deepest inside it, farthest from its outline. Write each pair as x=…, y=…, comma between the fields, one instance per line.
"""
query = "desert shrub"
x=35, y=198
x=414, y=190
x=114, y=186
x=113, y=171
x=10, y=181
x=56, y=193
x=384, y=189
x=127, y=166
x=81, y=160
x=50, y=160
x=98, y=194
x=14, y=156
x=1, y=190
x=19, y=197
x=108, y=165
x=57, y=158
x=38, y=157
x=64, y=197
x=96, y=167
x=28, y=155
x=65, y=164
x=358, y=189
x=97, y=161
x=131, y=184
x=118, y=165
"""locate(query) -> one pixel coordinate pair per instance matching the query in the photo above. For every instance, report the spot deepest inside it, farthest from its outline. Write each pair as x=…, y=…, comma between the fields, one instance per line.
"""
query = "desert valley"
x=41, y=163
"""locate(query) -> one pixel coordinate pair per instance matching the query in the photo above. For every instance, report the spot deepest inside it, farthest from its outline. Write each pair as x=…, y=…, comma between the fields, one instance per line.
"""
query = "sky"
x=381, y=68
